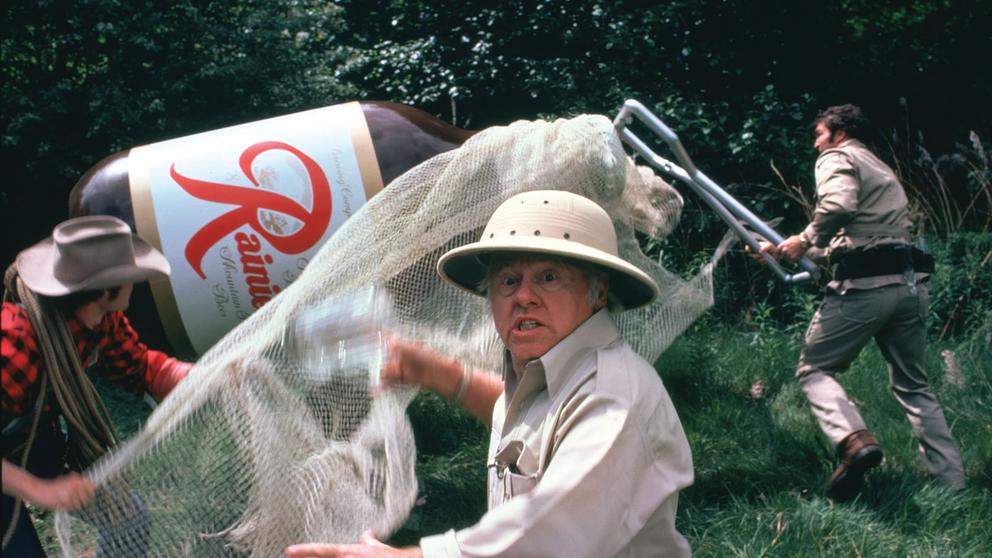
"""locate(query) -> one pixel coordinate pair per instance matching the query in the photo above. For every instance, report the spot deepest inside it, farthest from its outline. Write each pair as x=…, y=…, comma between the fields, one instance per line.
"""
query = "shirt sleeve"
x=129, y=363
x=604, y=482
x=20, y=361
x=836, y=196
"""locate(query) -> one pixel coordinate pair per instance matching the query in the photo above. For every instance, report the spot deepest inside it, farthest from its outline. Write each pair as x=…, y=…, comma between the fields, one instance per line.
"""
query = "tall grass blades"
x=950, y=193
x=761, y=461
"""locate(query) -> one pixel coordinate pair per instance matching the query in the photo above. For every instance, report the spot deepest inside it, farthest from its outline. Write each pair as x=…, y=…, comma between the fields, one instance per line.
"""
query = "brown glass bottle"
x=402, y=137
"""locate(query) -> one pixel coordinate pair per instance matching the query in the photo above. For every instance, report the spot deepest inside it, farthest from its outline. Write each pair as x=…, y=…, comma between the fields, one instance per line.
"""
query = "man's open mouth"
x=525, y=325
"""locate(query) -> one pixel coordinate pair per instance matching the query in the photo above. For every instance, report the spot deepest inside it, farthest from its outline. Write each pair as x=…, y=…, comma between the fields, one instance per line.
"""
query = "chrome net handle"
x=725, y=205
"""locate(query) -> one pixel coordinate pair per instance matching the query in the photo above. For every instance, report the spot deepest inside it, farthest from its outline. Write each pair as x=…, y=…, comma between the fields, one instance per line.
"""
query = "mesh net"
x=255, y=451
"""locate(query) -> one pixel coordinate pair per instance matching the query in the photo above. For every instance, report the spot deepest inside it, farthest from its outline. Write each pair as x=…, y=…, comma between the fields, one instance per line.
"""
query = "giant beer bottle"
x=239, y=211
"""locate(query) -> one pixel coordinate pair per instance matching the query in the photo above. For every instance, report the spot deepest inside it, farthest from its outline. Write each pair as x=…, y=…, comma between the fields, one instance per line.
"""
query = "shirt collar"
x=598, y=331
x=84, y=336
x=77, y=329
x=826, y=153
x=554, y=367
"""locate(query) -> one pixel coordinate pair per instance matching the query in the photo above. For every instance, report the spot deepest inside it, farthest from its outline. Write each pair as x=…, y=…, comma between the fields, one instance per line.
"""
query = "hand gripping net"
x=254, y=452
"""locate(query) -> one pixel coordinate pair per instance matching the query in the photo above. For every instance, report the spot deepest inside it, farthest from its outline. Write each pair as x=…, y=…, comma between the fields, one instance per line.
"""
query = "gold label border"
x=361, y=142
x=144, y=220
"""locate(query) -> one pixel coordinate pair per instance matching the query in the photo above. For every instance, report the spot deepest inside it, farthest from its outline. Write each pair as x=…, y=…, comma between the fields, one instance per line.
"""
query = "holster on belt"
x=895, y=259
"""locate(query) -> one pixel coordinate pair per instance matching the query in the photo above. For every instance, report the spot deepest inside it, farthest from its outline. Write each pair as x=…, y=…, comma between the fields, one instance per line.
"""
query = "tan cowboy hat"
x=84, y=253
x=555, y=223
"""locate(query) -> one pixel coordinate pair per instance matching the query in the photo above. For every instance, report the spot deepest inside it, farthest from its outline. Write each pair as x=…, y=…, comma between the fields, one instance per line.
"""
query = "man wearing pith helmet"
x=587, y=454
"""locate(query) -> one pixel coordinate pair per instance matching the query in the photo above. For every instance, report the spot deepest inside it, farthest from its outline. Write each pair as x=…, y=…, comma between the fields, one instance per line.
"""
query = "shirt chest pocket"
x=517, y=469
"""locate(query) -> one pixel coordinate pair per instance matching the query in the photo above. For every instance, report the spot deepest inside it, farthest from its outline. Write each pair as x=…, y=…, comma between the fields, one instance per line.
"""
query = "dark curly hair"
x=68, y=303
x=849, y=118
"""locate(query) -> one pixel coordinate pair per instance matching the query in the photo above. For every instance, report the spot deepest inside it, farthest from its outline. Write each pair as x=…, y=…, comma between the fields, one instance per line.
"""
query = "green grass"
x=760, y=462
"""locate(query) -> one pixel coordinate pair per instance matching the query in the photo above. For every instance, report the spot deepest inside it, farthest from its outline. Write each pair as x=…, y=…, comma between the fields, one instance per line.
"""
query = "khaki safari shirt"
x=586, y=458
x=859, y=204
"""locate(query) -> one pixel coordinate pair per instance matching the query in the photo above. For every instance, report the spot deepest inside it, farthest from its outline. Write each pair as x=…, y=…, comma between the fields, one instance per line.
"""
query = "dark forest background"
x=739, y=80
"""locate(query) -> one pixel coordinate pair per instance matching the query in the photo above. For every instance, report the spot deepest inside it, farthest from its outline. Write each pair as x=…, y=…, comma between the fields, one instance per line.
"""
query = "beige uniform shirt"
x=586, y=458
x=859, y=204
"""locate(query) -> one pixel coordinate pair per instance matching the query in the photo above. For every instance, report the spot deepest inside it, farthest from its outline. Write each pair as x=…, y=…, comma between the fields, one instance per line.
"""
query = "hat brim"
x=36, y=265
x=464, y=268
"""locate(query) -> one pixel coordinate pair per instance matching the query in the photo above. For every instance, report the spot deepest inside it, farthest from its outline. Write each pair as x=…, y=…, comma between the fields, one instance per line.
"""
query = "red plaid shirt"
x=119, y=356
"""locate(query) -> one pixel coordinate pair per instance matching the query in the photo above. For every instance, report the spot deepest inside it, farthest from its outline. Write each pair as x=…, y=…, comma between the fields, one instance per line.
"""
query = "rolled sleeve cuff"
x=810, y=233
x=444, y=545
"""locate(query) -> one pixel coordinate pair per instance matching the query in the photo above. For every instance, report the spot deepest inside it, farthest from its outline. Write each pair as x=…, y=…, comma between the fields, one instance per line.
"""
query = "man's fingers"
x=84, y=492
x=390, y=373
x=368, y=537
x=313, y=550
x=88, y=487
x=70, y=492
x=765, y=248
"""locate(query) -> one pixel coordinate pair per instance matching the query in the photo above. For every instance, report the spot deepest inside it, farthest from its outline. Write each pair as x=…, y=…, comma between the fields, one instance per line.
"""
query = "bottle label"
x=239, y=211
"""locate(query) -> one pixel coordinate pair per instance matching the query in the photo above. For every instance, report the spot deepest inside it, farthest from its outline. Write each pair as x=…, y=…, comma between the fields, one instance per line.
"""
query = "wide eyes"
x=508, y=282
x=505, y=283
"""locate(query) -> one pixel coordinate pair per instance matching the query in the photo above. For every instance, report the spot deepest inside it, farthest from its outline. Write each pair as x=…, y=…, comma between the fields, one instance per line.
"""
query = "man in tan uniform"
x=879, y=291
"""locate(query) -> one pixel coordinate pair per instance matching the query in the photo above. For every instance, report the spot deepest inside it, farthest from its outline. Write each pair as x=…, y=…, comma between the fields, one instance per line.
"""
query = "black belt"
x=895, y=259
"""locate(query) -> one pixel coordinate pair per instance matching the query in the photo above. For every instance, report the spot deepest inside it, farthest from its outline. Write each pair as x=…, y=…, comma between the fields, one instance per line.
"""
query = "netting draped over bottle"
x=253, y=453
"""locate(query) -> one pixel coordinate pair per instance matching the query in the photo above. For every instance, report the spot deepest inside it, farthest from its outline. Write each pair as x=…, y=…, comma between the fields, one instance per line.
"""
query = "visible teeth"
x=528, y=324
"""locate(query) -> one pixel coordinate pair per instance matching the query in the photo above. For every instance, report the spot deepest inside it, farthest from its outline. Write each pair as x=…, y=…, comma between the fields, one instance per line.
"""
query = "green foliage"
x=930, y=522
x=761, y=461
x=739, y=83
x=961, y=290
x=949, y=193
x=451, y=476
x=81, y=80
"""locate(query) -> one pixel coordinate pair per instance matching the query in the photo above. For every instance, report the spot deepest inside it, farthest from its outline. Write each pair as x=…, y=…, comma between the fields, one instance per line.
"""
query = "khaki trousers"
x=895, y=318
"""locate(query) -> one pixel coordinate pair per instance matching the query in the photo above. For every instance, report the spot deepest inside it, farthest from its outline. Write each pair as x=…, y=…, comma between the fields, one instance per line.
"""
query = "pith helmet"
x=555, y=223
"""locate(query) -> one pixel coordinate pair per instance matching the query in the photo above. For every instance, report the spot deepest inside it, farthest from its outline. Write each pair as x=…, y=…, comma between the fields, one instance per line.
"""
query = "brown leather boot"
x=858, y=453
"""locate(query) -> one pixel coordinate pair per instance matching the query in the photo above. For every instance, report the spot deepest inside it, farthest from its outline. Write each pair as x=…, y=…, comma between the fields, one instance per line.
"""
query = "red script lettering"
x=250, y=200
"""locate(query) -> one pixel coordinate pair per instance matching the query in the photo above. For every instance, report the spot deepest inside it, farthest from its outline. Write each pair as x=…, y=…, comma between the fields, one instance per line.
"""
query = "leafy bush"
x=956, y=208
x=961, y=288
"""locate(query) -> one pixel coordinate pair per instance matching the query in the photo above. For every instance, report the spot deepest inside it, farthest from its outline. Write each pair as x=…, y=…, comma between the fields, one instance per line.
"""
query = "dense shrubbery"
x=961, y=290
x=962, y=284
x=951, y=202
x=80, y=80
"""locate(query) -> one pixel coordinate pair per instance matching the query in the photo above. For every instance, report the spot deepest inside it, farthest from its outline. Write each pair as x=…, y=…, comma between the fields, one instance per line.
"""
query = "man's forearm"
x=481, y=396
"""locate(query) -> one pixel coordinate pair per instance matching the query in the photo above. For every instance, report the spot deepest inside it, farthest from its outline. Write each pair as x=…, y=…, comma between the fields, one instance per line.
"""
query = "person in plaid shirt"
x=81, y=279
